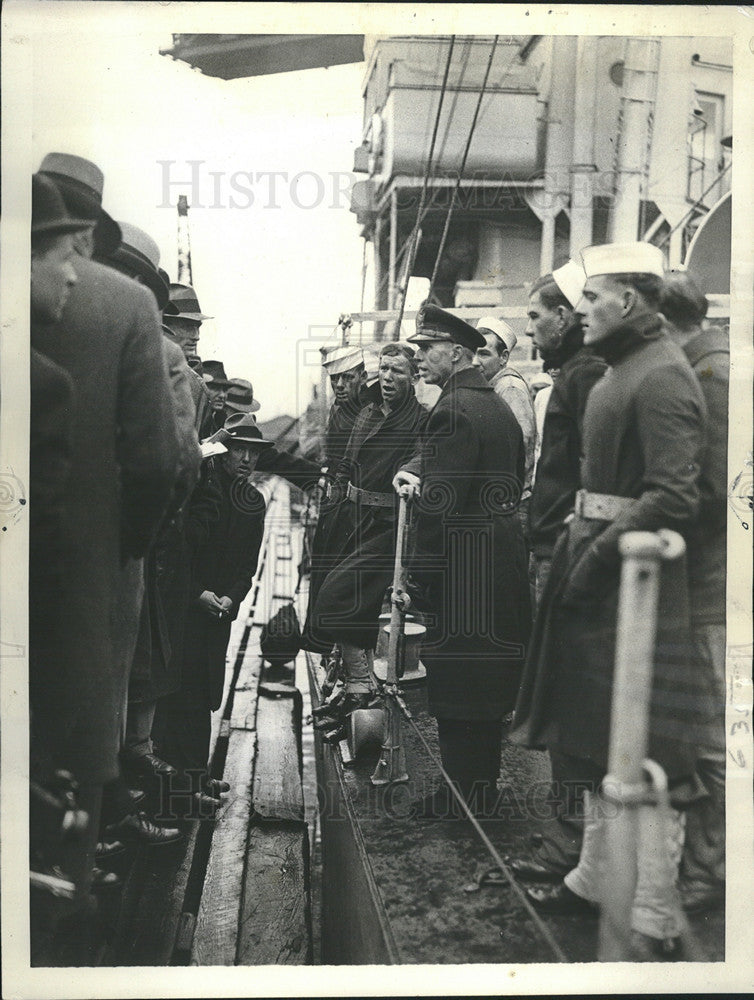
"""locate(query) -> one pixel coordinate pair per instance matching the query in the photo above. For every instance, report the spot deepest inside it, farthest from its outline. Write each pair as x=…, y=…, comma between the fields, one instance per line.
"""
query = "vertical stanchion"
x=629, y=728
x=391, y=766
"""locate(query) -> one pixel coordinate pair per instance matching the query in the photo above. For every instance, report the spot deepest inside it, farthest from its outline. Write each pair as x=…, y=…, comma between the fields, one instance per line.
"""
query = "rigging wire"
x=451, y=206
x=416, y=230
x=695, y=206
x=539, y=924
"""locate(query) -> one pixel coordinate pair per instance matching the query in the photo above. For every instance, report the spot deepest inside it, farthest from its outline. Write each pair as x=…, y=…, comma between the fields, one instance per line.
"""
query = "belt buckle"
x=350, y=493
x=578, y=508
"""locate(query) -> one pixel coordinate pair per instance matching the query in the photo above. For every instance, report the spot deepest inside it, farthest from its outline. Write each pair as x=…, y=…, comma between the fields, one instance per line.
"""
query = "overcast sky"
x=275, y=260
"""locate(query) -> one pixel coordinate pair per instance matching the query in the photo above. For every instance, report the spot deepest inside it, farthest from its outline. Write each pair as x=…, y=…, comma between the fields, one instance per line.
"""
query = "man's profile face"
x=435, y=360
x=217, y=395
x=52, y=278
x=346, y=385
x=396, y=379
x=545, y=326
x=601, y=307
x=185, y=332
x=487, y=357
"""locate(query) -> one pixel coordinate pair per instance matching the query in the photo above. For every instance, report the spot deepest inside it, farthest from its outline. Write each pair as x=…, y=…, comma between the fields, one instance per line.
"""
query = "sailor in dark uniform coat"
x=362, y=539
x=470, y=560
x=345, y=368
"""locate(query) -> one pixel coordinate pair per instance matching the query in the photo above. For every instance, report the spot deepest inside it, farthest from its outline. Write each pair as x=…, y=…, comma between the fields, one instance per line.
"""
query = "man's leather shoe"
x=138, y=828
x=147, y=764
x=702, y=898
x=340, y=711
x=559, y=899
x=215, y=787
x=531, y=871
x=108, y=849
x=136, y=795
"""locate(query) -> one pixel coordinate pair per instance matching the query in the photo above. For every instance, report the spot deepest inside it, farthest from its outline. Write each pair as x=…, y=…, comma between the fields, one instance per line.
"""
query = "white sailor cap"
x=623, y=258
x=500, y=328
x=371, y=355
x=342, y=359
x=570, y=279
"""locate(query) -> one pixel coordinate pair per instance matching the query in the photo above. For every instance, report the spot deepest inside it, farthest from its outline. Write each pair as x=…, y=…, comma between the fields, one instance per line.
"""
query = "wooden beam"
x=278, y=792
x=275, y=926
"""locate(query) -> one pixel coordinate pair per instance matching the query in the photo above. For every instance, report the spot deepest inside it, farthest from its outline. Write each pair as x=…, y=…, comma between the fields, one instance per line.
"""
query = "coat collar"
x=628, y=337
x=468, y=378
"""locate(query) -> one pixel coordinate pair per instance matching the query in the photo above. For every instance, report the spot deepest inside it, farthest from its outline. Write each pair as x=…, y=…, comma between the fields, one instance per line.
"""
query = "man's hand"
x=406, y=484
x=211, y=604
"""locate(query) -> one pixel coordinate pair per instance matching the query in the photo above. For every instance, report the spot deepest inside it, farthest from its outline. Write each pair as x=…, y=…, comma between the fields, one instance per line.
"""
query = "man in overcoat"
x=556, y=333
x=223, y=569
x=642, y=436
x=121, y=479
x=470, y=563
x=706, y=346
x=348, y=605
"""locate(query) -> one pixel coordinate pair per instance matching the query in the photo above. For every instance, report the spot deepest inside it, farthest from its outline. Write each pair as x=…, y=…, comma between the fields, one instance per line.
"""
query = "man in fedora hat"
x=224, y=567
x=469, y=553
x=239, y=397
x=182, y=320
x=123, y=464
x=511, y=386
x=217, y=383
x=643, y=433
x=81, y=184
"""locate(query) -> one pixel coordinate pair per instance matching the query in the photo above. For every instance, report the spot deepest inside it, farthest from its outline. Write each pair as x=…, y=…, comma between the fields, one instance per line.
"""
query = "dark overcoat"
x=225, y=564
x=156, y=668
x=558, y=473
x=339, y=426
x=362, y=541
x=643, y=435
x=123, y=462
x=470, y=559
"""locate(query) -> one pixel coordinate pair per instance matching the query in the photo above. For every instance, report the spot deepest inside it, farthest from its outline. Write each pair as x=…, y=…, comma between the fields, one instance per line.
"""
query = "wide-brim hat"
x=185, y=300
x=500, y=329
x=139, y=256
x=48, y=211
x=240, y=397
x=435, y=325
x=243, y=427
x=81, y=184
x=214, y=375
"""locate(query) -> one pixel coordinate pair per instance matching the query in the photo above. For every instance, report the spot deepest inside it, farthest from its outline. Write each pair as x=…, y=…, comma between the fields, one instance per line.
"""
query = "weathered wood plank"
x=217, y=920
x=275, y=922
x=278, y=792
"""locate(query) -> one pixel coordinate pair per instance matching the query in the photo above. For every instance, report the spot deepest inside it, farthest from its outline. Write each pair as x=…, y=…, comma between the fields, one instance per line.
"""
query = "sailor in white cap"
x=643, y=435
x=345, y=367
x=556, y=333
x=513, y=389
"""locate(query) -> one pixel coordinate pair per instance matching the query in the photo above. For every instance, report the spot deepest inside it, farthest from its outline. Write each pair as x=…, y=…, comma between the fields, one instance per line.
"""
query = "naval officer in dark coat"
x=470, y=561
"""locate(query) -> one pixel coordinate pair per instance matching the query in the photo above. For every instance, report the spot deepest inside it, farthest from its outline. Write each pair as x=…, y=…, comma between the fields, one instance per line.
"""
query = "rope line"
x=451, y=206
x=416, y=230
x=696, y=205
x=493, y=852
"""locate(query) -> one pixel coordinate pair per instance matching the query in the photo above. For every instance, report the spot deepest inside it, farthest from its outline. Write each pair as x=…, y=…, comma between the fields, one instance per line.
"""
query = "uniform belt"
x=369, y=499
x=600, y=506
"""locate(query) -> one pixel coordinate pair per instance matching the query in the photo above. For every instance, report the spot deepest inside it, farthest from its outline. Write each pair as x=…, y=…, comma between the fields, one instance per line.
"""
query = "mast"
x=184, y=242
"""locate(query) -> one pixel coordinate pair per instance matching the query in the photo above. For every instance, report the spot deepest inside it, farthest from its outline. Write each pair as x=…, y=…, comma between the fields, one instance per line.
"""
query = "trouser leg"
x=139, y=722
x=470, y=753
x=561, y=836
x=584, y=879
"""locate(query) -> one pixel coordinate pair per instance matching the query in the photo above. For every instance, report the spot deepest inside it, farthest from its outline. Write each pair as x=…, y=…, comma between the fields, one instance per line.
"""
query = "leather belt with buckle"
x=368, y=498
x=600, y=506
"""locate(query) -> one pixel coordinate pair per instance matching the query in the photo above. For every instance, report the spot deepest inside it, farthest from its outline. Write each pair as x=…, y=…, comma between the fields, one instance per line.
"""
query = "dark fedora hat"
x=138, y=256
x=81, y=183
x=436, y=325
x=243, y=427
x=184, y=298
x=214, y=374
x=240, y=397
x=48, y=211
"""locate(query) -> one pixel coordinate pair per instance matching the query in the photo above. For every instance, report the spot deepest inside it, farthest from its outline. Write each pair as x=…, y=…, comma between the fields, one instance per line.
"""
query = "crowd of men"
x=146, y=529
